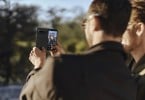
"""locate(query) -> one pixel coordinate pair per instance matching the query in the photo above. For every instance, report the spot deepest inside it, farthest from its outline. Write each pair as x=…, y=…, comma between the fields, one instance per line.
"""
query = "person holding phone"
x=100, y=72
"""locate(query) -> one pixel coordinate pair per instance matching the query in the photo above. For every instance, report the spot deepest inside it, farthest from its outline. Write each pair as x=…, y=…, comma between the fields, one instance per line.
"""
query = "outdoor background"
x=18, y=22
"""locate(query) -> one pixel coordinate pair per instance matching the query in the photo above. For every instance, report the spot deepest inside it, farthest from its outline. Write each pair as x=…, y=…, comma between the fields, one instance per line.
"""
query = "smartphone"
x=46, y=38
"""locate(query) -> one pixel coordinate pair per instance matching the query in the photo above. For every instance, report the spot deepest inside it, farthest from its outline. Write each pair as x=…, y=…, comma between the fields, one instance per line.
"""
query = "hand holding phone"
x=57, y=51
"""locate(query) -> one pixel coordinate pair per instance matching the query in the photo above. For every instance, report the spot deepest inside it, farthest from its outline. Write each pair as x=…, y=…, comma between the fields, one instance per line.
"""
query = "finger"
x=36, y=51
x=43, y=49
x=30, y=58
x=31, y=53
x=51, y=53
x=54, y=50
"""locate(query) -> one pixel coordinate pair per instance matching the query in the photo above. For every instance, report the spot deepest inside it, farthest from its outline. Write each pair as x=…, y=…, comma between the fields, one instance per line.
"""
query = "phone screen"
x=46, y=38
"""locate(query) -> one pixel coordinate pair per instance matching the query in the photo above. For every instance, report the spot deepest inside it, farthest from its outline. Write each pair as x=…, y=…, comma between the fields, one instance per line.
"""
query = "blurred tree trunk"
x=6, y=42
x=17, y=33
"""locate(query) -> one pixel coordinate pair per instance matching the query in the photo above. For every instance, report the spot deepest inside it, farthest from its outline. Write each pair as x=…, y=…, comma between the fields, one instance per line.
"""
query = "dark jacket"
x=98, y=74
x=138, y=70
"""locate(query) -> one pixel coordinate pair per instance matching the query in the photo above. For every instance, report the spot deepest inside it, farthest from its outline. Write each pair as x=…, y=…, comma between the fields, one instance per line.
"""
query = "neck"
x=137, y=53
x=100, y=36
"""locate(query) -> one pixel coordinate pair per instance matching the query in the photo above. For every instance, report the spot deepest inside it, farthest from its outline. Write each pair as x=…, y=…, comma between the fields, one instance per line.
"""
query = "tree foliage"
x=17, y=37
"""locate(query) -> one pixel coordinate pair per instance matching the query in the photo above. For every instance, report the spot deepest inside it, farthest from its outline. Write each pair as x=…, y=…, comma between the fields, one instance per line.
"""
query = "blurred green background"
x=17, y=36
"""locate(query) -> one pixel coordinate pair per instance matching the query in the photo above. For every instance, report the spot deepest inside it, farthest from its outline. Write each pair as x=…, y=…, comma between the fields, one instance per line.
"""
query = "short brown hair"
x=138, y=10
x=113, y=14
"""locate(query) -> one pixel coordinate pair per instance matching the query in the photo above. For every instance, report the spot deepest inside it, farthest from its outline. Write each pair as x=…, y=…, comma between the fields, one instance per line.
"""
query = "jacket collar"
x=139, y=66
x=107, y=45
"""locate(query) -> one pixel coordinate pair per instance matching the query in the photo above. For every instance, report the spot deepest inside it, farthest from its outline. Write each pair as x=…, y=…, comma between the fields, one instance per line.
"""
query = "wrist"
x=37, y=67
x=38, y=64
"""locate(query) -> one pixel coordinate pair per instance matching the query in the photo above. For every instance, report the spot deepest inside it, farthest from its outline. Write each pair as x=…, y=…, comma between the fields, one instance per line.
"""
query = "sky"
x=62, y=3
x=45, y=4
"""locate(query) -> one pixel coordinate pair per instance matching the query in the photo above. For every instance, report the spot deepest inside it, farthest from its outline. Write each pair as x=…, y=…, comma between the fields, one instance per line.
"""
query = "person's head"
x=109, y=16
x=134, y=36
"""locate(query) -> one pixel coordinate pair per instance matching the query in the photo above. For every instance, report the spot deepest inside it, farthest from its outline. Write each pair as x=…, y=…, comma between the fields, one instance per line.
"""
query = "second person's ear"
x=140, y=29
